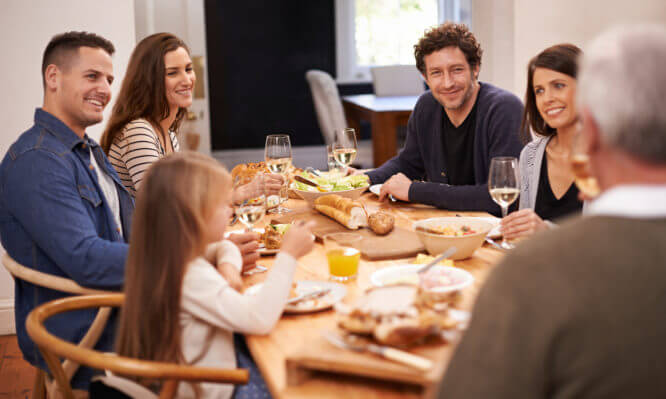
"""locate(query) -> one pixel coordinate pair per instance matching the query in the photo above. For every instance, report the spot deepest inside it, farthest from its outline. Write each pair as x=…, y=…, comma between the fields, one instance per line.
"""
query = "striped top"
x=134, y=150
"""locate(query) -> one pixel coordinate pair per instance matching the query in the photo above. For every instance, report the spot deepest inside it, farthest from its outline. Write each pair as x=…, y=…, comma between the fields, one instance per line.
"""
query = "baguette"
x=343, y=210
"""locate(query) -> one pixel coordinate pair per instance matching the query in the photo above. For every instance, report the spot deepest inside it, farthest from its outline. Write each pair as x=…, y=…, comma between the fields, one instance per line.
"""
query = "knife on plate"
x=309, y=295
x=387, y=352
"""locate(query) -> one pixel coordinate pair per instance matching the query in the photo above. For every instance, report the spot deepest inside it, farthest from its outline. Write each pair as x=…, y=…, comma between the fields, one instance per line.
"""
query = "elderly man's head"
x=622, y=91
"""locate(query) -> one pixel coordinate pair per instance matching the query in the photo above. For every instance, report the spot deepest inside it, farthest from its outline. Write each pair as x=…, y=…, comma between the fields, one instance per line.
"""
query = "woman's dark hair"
x=143, y=92
x=446, y=35
x=561, y=58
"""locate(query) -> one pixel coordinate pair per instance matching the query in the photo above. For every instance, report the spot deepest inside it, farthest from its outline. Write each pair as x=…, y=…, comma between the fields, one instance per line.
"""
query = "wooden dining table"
x=385, y=114
x=300, y=335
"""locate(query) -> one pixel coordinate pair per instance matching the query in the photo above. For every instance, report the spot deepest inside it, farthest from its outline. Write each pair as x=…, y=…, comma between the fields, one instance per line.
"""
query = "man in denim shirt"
x=63, y=210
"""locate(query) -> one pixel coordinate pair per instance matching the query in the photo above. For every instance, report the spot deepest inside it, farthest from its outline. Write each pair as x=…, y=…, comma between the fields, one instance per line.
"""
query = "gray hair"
x=623, y=84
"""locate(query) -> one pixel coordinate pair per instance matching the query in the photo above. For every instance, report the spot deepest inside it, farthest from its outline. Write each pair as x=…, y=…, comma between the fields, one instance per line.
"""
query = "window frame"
x=347, y=71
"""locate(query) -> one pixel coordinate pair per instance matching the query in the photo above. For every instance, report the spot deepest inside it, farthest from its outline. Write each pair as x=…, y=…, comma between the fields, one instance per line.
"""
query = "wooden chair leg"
x=169, y=389
x=39, y=386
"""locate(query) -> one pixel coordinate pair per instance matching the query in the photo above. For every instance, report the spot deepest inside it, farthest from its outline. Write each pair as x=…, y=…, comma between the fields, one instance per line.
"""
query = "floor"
x=16, y=375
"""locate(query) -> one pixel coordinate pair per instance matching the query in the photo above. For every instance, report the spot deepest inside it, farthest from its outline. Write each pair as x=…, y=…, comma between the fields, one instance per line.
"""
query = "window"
x=383, y=32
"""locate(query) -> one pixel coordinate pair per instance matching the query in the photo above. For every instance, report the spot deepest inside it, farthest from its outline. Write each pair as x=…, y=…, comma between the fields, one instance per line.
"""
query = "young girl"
x=180, y=306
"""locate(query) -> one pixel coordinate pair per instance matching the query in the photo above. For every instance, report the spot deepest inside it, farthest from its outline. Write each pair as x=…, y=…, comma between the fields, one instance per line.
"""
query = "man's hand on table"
x=398, y=186
x=248, y=243
x=353, y=171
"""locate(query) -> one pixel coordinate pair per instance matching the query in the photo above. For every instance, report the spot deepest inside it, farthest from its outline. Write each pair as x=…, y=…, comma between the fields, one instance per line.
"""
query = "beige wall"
x=25, y=29
x=513, y=31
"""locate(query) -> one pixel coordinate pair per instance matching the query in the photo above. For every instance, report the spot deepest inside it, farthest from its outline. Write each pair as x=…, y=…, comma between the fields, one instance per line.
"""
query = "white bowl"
x=311, y=196
x=460, y=278
x=466, y=245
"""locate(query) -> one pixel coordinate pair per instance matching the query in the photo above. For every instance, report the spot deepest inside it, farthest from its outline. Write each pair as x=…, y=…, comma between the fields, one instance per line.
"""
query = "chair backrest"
x=328, y=106
x=57, y=283
x=53, y=347
x=397, y=80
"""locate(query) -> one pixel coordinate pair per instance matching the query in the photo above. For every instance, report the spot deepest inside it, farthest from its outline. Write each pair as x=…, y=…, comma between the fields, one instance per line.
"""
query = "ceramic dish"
x=311, y=196
x=375, y=189
x=457, y=278
x=337, y=293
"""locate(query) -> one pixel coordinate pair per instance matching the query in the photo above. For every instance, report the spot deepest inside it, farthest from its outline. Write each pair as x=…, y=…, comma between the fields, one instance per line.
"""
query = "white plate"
x=460, y=278
x=375, y=188
x=338, y=291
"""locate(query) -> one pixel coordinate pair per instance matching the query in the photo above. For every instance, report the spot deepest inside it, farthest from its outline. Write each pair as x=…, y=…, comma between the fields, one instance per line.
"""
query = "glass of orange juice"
x=343, y=255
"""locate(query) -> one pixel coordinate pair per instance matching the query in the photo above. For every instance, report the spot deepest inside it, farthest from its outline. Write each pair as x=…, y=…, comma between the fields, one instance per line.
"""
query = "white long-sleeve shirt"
x=211, y=309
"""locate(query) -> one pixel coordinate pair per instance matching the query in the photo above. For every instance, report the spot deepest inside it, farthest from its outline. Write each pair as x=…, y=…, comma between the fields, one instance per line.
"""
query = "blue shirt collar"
x=61, y=131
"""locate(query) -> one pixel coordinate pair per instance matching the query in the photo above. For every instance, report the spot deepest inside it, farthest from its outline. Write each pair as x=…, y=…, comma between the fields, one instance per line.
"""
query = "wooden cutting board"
x=317, y=354
x=399, y=243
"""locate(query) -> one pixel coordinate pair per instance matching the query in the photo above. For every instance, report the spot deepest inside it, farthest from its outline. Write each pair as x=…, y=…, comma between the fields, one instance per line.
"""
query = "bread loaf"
x=343, y=210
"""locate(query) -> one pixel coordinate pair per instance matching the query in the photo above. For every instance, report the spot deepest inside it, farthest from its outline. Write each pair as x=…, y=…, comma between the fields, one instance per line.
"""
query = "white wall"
x=185, y=19
x=25, y=29
x=513, y=31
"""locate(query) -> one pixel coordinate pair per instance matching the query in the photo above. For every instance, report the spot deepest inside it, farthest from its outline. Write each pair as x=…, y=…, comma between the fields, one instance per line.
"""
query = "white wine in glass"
x=504, y=185
x=277, y=154
x=253, y=207
x=345, y=147
x=580, y=167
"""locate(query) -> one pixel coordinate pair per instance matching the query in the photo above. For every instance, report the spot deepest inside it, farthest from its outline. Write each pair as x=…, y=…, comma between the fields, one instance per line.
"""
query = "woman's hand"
x=522, y=223
x=231, y=274
x=298, y=240
x=248, y=243
x=268, y=184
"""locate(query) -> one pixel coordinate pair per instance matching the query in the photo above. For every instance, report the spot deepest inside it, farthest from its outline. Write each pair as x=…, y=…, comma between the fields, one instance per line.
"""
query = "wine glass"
x=253, y=204
x=278, y=160
x=504, y=185
x=580, y=166
x=344, y=147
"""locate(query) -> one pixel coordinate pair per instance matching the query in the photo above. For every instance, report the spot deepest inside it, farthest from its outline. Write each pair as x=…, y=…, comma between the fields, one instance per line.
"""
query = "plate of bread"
x=397, y=315
x=271, y=238
x=352, y=214
x=334, y=293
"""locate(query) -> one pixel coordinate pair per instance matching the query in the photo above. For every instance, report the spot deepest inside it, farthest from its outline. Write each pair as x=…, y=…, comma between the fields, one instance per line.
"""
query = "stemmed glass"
x=278, y=160
x=253, y=206
x=504, y=185
x=345, y=147
x=580, y=166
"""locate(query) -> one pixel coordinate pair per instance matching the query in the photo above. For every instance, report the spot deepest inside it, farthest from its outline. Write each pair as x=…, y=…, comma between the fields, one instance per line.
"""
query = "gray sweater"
x=575, y=312
x=496, y=134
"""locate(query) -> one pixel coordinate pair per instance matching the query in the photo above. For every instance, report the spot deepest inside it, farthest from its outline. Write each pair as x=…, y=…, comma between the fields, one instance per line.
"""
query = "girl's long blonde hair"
x=179, y=195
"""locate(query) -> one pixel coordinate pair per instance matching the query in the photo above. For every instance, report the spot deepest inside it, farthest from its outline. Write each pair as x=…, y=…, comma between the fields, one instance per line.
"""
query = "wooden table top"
x=383, y=104
x=294, y=331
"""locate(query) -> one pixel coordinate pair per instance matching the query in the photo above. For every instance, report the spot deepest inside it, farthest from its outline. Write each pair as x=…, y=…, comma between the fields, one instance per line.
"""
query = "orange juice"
x=343, y=262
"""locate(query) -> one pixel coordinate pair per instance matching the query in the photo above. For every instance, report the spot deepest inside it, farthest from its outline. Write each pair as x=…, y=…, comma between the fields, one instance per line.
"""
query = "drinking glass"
x=343, y=255
x=253, y=207
x=580, y=166
x=278, y=160
x=345, y=147
x=504, y=185
x=334, y=168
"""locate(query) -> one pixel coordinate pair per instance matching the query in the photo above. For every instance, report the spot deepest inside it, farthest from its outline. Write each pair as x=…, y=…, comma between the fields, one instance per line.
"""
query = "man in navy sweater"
x=456, y=128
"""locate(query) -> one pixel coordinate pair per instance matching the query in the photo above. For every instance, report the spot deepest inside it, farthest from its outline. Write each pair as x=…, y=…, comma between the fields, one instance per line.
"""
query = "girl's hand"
x=248, y=243
x=231, y=274
x=298, y=240
x=522, y=223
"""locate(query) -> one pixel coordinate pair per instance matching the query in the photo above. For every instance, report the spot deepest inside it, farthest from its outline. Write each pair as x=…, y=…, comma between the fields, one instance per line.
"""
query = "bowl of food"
x=349, y=187
x=464, y=233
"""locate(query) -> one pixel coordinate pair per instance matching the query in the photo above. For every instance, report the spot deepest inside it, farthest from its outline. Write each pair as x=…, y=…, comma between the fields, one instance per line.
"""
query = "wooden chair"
x=51, y=347
x=42, y=384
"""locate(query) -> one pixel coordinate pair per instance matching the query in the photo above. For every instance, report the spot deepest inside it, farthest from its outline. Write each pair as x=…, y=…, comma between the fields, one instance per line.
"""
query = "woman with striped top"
x=153, y=100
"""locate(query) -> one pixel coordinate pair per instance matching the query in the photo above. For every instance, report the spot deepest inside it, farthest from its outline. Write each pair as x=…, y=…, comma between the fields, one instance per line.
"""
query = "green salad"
x=331, y=184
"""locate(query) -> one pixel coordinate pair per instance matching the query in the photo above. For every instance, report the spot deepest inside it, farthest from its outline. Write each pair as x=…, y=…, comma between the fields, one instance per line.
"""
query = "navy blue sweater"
x=497, y=125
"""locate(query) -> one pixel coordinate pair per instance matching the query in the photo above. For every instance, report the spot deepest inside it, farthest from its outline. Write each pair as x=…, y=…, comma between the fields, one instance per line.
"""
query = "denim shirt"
x=54, y=218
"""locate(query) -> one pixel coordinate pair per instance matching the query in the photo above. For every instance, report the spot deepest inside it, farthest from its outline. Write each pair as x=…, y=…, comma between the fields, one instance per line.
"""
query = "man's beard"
x=468, y=94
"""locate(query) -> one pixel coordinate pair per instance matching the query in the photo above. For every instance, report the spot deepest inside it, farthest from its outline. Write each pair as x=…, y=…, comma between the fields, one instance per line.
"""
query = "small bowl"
x=466, y=245
x=311, y=196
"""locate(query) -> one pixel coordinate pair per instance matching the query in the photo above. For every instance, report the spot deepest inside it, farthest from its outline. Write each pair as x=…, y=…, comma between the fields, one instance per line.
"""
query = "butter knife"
x=309, y=295
x=387, y=352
